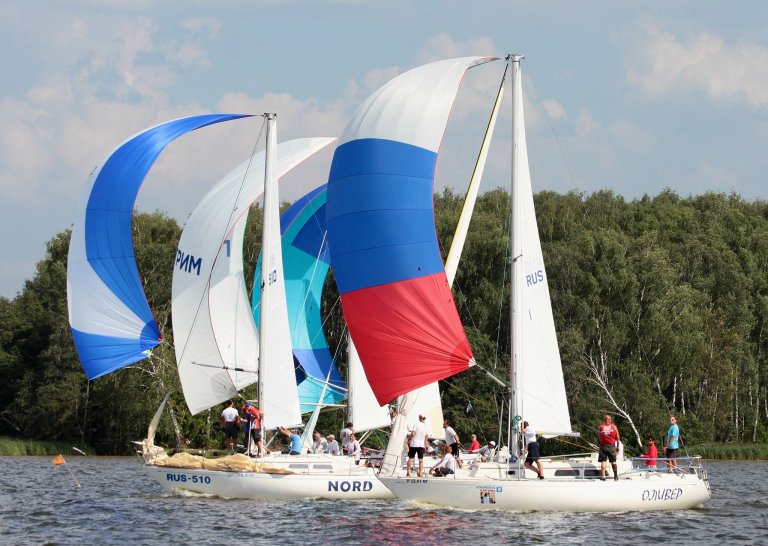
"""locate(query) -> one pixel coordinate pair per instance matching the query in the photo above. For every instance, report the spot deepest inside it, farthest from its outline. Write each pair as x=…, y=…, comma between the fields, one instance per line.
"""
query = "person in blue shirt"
x=672, y=443
x=295, y=440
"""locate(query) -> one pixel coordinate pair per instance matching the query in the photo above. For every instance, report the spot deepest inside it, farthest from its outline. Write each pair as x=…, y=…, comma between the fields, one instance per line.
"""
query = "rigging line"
x=204, y=295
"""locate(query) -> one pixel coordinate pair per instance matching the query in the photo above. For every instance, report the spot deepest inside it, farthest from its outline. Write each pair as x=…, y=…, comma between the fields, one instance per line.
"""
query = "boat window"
x=327, y=467
x=591, y=472
x=298, y=466
x=567, y=472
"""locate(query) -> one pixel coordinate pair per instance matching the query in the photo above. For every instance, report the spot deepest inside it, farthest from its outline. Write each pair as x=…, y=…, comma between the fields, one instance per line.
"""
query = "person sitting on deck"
x=446, y=465
x=295, y=440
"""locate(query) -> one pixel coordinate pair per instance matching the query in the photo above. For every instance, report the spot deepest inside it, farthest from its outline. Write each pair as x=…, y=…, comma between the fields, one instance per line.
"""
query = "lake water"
x=118, y=504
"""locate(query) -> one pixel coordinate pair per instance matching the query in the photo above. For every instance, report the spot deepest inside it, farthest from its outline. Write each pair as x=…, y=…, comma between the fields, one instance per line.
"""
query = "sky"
x=631, y=97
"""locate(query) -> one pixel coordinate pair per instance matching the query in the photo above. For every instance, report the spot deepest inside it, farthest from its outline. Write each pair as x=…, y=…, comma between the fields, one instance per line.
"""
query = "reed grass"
x=733, y=452
x=19, y=447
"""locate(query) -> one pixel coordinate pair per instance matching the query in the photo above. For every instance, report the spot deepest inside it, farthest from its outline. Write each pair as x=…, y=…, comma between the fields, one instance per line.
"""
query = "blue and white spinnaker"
x=110, y=318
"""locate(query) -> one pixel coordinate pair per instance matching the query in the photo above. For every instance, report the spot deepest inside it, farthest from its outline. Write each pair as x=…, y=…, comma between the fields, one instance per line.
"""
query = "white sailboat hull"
x=309, y=478
x=637, y=492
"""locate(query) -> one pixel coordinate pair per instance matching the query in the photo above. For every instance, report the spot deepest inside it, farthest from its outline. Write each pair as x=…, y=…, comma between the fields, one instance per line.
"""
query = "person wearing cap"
x=486, y=452
x=417, y=444
x=253, y=418
x=320, y=445
x=295, y=440
x=333, y=445
x=650, y=454
x=344, y=436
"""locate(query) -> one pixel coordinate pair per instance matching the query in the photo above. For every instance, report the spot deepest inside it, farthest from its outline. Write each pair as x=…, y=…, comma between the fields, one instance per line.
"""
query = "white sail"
x=215, y=336
x=278, y=394
x=540, y=384
x=363, y=409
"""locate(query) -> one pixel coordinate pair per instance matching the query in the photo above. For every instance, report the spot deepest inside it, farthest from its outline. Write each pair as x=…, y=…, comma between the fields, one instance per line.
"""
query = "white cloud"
x=710, y=177
x=724, y=71
x=585, y=124
x=554, y=109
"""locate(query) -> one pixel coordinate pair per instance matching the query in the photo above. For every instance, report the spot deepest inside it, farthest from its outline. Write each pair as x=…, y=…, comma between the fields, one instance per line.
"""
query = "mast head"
x=515, y=57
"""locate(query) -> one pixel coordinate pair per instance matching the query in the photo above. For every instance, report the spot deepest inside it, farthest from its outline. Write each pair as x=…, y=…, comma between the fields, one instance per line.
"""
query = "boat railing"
x=682, y=465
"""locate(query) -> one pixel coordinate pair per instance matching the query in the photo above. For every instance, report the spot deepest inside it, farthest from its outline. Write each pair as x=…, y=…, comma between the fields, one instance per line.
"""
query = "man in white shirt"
x=353, y=448
x=452, y=440
x=532, y=450
x=230, y=422
x=417, y=443
x=344, y=437
x=333, y=445
x=320, y=445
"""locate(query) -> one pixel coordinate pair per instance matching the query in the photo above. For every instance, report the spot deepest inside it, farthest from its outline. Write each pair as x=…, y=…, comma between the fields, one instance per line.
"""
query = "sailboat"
x=402, y=317
x=278, y=476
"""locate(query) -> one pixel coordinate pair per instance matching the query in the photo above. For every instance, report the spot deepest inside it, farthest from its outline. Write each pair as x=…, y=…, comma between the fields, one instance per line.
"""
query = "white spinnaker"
x=362, y=407
x=539, y=369
x=209, y=339
x=412, y=108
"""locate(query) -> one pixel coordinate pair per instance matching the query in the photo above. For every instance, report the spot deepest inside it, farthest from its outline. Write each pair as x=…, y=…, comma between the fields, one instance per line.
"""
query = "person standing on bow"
x=344, y=435
x=230, y=422
x=417, y=444
x=672, y=444
x=609, y=437
x=532, y=450
x=452, y=440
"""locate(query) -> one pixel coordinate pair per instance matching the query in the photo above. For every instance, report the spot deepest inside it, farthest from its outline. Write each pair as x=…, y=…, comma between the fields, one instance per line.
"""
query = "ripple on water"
x=119, y=504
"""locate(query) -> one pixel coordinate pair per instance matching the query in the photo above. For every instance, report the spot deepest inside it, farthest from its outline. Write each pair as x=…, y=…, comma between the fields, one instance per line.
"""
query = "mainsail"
x=387, y=263
x=215, y=336
x=110, y=318
x=306, y=262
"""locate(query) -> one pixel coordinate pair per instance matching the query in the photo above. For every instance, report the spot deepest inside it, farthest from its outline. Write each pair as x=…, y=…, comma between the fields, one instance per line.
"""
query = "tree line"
x=660, y=306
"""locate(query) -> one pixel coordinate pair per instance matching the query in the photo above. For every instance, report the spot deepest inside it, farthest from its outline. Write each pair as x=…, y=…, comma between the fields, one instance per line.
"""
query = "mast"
x=266, y=270
x=515, y=303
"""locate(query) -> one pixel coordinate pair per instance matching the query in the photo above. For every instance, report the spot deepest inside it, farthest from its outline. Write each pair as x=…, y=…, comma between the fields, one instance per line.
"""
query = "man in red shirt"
x=609, y=439
x=253, y=417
